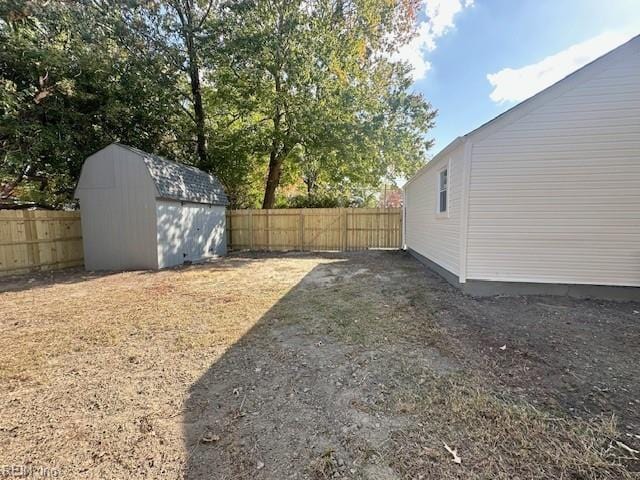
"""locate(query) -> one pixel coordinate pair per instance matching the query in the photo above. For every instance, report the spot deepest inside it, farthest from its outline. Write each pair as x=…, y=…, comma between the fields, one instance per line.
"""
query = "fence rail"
x=315, y=229
x=39, y=240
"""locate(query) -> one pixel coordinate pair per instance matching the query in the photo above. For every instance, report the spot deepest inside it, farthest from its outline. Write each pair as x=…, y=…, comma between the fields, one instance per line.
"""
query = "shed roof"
x=177, y=181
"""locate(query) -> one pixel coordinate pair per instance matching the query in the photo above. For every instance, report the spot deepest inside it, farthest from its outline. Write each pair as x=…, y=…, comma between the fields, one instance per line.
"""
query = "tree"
x=262, y=93
x=180, y=29
x=60, y=101
x=318, y=74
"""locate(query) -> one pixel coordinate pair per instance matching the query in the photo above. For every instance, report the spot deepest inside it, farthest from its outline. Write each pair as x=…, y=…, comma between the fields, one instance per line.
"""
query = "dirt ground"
x=354, y=366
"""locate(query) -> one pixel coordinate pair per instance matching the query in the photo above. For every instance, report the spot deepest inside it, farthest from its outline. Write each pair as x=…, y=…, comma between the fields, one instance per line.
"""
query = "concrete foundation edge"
x=485, y=288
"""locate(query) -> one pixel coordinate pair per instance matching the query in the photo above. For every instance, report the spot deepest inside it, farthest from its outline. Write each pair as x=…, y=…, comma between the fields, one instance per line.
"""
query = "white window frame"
x=447, y=167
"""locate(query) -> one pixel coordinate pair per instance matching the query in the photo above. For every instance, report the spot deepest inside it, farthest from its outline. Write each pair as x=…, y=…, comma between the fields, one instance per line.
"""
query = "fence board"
x=315, y=229
x=33, y=240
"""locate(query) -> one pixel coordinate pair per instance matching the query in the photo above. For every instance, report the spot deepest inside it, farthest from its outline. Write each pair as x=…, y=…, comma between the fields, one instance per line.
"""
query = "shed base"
x=486, y=288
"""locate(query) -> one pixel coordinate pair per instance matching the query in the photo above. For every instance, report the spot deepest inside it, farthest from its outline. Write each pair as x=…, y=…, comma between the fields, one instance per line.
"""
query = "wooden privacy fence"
x=46, y=240
x=39, y=240
x=338, y=229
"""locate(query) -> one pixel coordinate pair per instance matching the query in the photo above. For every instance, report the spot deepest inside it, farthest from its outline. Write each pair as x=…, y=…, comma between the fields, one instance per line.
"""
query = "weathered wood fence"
x=315, y=229
x=39, y=240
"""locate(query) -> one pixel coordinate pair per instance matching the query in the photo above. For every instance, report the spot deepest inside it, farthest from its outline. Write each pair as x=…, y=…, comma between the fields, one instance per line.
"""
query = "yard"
x=315, y=366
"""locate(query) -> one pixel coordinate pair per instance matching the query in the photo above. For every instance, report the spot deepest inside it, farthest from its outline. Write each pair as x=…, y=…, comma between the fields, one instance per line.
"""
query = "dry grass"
x=197, y=307
x=325, y=367
x=497, y=437
x=88, y=360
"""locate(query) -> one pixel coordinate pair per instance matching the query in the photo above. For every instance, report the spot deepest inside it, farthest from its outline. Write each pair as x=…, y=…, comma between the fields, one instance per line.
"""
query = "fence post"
x=31, y=236
x=250, y=229
x=268, y=231
x=346, y=228
x=301, y=229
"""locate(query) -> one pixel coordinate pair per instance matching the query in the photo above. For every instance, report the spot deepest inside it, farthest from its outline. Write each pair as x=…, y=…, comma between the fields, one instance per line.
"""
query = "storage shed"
x=141, y=211
x=545, y=198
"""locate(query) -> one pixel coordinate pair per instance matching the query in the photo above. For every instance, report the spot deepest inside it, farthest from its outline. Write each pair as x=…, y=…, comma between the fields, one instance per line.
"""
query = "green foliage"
x=321, y=91
x=69, y=86
x=292, y=92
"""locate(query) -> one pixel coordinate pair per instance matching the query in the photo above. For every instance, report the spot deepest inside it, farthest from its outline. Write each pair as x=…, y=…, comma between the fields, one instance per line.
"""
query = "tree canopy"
x=281, y=99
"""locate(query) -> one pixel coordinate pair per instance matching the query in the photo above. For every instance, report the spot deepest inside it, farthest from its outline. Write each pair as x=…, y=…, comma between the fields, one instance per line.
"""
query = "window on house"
x=443, y=191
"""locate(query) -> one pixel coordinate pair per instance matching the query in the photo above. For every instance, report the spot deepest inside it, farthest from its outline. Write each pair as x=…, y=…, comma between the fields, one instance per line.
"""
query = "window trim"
x=445, y=213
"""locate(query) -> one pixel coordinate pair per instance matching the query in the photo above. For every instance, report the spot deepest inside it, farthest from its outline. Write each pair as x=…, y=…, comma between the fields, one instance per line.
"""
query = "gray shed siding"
x=131, y=218
x=189, y=232
x=117, y=195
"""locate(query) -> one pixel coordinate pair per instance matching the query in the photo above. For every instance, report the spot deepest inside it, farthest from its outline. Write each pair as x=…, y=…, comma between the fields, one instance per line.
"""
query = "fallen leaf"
x=454, y=453
x=503, y=347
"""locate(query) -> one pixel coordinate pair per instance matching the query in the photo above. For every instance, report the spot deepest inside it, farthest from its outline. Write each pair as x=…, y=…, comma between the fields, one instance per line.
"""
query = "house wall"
x=189, y=232
x=554, y=197
x=117, y=207
x=432, y=235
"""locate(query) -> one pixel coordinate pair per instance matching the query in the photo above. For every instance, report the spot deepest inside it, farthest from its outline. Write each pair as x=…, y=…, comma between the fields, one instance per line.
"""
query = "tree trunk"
x=186, y=13
x=310, y=182
x=198, y=109
x=201, y=145
x=273, y=179
x=278, y=151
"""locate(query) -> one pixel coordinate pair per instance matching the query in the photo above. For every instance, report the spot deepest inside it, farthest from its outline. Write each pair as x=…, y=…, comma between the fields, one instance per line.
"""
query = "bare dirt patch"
x=312, y=366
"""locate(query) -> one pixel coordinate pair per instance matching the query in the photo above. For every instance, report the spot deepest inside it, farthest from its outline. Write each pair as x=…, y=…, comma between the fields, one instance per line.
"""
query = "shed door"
x=204, y=235
x=196, y=233
x=188, y=232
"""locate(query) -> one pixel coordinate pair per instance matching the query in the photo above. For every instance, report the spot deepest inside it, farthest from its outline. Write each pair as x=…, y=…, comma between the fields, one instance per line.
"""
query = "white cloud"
x=515, y=85
x=440, y=16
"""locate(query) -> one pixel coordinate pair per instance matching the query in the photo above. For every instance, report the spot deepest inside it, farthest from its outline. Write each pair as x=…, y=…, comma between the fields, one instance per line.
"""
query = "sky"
x=474, y=59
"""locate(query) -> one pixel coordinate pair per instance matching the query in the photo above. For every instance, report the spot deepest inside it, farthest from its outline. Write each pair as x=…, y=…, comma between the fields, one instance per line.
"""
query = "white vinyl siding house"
x=435, y=234
x=550, y=189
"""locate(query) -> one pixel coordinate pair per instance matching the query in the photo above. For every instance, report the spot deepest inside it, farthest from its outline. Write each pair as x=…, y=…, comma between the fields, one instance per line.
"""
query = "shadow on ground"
x=299, y=395
x=371, y=363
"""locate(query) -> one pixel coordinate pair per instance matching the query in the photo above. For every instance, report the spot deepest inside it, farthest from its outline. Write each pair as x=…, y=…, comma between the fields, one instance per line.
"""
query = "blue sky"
x=523, y=45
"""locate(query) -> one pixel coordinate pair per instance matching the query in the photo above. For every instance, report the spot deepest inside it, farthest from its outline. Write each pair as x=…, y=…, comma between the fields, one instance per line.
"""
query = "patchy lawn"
x=312, y=366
